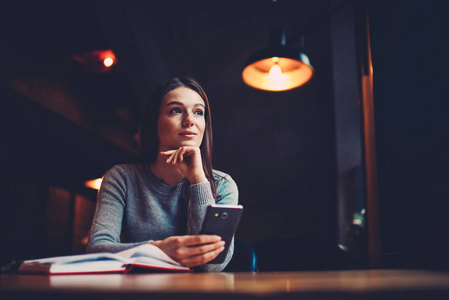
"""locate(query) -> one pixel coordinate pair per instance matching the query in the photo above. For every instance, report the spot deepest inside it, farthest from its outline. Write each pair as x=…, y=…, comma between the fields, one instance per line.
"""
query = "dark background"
x=296, y=156
x=410, y=42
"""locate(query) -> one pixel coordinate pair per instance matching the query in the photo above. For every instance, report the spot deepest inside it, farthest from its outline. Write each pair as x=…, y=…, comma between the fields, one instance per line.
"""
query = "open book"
x=143, y=258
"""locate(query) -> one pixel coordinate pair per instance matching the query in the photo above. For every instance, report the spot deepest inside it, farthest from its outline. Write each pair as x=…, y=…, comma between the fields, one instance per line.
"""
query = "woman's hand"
x=191, y=250
x=188, y=160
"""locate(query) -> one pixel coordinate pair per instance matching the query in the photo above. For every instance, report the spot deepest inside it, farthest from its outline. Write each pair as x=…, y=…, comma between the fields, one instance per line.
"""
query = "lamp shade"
x=277, y=68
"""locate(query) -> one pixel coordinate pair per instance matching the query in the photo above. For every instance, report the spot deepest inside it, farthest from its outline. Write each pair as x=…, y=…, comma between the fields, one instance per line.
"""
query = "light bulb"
x=108, y=61
x=94, y=183
x=275, y=73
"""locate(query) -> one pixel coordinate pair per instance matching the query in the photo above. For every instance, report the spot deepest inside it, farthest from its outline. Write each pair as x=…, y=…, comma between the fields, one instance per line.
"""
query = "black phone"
x=222, y=220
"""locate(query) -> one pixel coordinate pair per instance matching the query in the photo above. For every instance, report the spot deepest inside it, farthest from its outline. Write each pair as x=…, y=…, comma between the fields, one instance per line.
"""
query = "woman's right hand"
x=191, y=250
x=188, y=160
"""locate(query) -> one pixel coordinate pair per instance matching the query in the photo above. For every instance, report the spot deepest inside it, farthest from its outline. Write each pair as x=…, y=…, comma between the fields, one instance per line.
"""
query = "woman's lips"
x=189, y=134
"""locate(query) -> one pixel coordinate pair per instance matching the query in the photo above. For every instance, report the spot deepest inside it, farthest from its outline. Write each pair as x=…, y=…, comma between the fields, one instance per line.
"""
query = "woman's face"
x=181, y=119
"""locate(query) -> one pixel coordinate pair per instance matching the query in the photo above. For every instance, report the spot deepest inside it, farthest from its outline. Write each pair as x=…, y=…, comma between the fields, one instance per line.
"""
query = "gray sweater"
x=134, y=207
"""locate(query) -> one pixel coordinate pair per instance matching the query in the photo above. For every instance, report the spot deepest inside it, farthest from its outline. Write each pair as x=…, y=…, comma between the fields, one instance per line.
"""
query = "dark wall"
x=45, y=160
x=410, y=43
x=279, y=147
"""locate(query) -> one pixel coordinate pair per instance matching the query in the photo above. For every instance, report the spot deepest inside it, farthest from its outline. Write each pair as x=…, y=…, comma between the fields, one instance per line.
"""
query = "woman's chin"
x=189, y=144
x=179, y=145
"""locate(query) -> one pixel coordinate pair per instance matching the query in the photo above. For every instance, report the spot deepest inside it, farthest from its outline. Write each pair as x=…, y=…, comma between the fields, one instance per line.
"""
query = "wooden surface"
x=366, y=284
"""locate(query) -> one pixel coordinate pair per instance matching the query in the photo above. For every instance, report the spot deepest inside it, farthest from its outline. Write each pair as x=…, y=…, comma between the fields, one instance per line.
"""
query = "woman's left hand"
x=191, y=250
x=188, y=160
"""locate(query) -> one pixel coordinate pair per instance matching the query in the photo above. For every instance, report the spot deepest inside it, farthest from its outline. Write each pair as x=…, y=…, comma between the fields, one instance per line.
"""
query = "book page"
x=69, y=259
x=148, y=254
x=95, y=262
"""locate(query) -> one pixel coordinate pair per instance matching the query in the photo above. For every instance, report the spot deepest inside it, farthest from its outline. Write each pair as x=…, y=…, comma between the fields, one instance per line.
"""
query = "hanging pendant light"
x=277, y=68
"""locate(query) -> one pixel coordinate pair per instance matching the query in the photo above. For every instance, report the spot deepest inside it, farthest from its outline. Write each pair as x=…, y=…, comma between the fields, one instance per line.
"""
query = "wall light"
x=94, y=183
x=277, y=68
x=108, y=61
x=98, y=61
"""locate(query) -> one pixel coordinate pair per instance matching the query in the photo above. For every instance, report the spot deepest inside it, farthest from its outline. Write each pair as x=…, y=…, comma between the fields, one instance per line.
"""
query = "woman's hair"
x=149, y=140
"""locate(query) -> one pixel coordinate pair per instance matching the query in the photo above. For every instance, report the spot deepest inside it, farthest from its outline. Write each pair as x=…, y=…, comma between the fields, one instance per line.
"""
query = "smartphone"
x=222, y=220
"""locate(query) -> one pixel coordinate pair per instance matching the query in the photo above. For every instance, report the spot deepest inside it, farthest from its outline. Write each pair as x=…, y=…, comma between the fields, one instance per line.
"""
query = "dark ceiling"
x=154, y=40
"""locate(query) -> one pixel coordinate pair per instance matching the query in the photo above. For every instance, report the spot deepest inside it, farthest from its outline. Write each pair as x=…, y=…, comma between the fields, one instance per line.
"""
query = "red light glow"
x=107, y=56
x=96, y=61
x=108, y=62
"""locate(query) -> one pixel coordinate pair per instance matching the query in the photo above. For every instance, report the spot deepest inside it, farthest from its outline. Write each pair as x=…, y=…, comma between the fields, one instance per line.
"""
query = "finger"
x=181, y=154
x=211, y=255
x=188, y=151
x=191, y=251
x=176, y=154
x=200, y=239
x=181, y=157
x=166, y=154
x=202, y=259
x=170, y=158
x=203, y=249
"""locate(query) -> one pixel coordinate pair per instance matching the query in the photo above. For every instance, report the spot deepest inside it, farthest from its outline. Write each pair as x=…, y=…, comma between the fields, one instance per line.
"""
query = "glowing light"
x=94, y=183
x=357, y=222
x=108, y=61
x=275, y=73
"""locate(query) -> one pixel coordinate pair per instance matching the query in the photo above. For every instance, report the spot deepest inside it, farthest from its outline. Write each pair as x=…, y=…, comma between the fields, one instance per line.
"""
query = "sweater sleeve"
x=200, y=198
x=106, y=226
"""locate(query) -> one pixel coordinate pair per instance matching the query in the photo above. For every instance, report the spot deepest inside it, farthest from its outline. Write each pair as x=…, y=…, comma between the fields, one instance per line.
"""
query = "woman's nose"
x=188, y=121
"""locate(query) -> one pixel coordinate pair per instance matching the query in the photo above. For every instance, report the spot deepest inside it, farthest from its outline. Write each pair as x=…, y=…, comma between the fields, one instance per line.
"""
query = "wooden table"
x=363, y=284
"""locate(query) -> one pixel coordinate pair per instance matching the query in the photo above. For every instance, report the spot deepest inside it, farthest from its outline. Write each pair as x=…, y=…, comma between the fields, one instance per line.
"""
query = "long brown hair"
x=149, y=141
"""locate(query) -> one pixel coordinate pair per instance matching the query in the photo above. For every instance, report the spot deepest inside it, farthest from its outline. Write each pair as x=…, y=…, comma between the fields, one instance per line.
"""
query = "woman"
x=163, y=200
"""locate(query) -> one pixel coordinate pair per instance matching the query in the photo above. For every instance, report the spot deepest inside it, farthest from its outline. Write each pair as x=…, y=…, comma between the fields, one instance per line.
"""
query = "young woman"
x=163, y=199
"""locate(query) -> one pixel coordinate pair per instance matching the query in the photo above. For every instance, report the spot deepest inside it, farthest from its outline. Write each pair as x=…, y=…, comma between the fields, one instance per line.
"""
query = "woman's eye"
x=175, y=110
x=199, y=112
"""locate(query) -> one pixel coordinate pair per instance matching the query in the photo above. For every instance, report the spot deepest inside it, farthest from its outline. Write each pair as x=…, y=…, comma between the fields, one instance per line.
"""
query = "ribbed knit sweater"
x=134, y=207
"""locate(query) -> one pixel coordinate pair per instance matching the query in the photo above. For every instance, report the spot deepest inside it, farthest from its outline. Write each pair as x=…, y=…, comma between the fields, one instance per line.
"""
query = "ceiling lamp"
x=277, y=68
